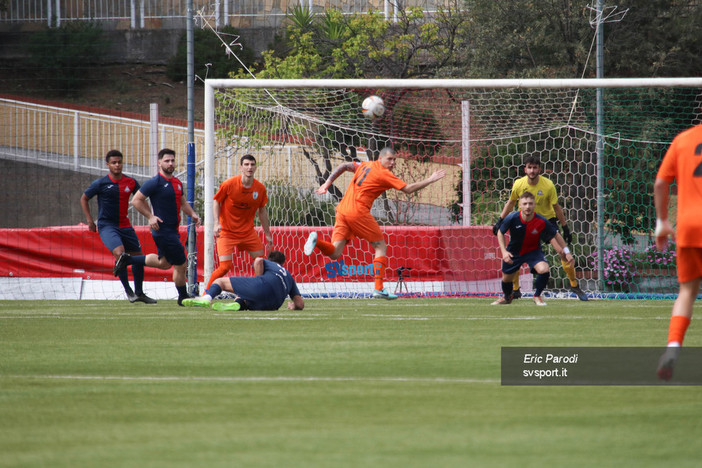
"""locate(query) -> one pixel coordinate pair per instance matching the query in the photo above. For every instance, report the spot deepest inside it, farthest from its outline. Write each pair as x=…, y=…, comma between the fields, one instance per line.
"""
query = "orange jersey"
x=370, y=180
x=683, y=163
x=238, y=205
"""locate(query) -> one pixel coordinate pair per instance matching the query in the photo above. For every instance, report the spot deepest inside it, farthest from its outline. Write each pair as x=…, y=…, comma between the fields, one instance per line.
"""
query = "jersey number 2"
x=698, y=169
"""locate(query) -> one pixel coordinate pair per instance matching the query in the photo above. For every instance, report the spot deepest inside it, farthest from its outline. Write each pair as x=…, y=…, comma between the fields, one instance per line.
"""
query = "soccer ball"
x=373, y=107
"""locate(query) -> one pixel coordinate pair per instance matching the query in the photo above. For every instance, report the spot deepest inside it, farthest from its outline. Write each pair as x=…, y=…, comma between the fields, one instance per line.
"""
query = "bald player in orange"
x=682, y=163
x=234, y=208
x=353, y=217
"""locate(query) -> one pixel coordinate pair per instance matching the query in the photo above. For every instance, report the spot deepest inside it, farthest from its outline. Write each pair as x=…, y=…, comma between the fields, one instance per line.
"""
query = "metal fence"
x=171, y=14
x=79, y=140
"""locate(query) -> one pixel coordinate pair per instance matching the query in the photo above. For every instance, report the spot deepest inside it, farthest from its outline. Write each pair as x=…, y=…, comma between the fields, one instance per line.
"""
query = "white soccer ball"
x=373, y=107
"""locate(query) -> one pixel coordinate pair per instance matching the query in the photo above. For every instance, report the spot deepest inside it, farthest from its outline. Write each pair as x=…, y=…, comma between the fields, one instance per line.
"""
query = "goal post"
x=480, y=131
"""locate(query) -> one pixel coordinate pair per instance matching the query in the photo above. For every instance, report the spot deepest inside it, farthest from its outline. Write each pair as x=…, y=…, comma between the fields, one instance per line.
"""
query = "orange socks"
x=222, y=269
x=327, y=248
x=678, y=327
x=380, y=264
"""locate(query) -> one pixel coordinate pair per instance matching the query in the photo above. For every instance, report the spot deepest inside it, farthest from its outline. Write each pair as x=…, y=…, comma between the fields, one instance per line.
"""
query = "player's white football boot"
x=311, y=242
x=538, y=301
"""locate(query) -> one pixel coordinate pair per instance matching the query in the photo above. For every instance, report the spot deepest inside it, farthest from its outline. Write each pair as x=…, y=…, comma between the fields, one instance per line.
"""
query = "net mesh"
x=442, y=236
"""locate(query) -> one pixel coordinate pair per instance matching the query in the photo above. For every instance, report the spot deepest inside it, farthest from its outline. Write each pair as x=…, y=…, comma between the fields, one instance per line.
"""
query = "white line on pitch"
x=256, y=379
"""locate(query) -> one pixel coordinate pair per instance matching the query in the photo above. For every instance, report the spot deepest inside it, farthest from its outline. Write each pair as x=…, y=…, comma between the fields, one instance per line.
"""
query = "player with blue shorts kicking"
x=265, y=291
x=113, y=225
x=167, y=199
x=527, y=229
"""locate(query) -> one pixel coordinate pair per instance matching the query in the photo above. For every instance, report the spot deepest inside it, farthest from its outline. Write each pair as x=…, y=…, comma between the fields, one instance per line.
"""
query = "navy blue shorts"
x=169, y=246
x=113, y=237
x=530, y=258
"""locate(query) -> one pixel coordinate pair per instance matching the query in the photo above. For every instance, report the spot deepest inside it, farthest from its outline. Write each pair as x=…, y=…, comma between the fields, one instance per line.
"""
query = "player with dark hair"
x=547, y=206
x=113, y=225
x=353, y=216
x=527, y=230
x=682, y=163
x=234, y=208
x=167, y=198
x=265, y=291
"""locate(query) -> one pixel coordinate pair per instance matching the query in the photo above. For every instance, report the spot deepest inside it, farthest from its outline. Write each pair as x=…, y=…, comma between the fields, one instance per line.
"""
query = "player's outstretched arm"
x=436, y=175
x=340, y=169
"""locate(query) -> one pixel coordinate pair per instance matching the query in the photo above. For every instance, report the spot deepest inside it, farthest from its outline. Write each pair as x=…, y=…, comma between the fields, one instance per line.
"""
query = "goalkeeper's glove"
x=567, y=235
x=497, y=225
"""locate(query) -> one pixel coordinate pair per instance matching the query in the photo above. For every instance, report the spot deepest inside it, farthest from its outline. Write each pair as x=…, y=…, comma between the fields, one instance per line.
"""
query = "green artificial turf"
x=344, y=383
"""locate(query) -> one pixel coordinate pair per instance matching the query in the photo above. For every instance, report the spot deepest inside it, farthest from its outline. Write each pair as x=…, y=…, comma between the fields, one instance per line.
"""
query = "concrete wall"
x=135, y=45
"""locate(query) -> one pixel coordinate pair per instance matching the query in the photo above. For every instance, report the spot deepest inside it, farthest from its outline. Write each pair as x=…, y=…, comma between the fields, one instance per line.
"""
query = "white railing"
x=79, y=140
x=154, y=14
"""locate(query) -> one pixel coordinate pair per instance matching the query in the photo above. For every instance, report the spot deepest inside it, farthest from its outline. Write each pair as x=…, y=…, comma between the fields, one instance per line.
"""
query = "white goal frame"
x=212, y=84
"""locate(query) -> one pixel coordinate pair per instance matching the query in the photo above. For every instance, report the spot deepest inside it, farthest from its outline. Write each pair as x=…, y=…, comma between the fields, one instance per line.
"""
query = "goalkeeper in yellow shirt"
x=548, y=207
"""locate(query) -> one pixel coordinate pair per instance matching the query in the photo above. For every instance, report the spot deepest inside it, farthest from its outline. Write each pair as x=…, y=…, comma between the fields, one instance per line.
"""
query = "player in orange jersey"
x=353, y=217
x=682, y=163
x=235, y=205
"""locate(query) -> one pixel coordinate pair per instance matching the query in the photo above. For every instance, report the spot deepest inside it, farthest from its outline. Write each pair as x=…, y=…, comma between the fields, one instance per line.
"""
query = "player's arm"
x=340, y=169
x=215, y=215
x=506, y=256
x=297, y=303
x=661, y=195
x=259, y=266
x=436, y=175
x=266, y=226
x=560, y=215
x=142, y=206
x=508, y=208
x=563, y=251
x=188, y=210
x=85, y=205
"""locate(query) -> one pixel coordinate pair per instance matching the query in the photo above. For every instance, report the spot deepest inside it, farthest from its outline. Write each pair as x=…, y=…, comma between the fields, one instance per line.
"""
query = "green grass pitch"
x=344, y=383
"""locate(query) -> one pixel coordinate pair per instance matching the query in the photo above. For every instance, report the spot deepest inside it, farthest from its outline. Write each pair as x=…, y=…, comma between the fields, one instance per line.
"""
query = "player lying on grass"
x=265, y=291
x=526, y=230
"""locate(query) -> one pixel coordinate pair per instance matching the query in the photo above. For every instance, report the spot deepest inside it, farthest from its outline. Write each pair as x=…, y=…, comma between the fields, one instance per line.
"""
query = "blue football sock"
x=138, y=273
x=214, y=291
x=540, y=282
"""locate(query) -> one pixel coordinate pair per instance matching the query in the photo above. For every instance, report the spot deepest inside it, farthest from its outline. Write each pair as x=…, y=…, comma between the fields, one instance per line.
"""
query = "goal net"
x=601, y=148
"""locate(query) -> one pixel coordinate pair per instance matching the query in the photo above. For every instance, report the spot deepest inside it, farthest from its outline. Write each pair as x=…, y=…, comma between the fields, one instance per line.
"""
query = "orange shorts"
x=364, y=226
x=689, y=263
x=247, y=243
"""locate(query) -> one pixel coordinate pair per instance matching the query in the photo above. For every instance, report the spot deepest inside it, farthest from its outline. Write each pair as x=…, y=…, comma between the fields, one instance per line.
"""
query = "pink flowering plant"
x=662, y=259
x=618, y=267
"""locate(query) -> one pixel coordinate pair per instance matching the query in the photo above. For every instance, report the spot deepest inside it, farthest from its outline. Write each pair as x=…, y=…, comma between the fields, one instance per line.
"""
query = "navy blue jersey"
x=165, y=195
x=113, y=199
x=268, y=291
x=524, y=236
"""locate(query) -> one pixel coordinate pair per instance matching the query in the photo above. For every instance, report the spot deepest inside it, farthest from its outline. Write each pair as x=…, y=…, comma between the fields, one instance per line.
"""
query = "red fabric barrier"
x=434, y=253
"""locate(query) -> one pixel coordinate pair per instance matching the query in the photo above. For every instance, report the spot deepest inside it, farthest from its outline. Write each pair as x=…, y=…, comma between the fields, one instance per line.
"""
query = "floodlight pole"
x=192, y=230
x=599, y=116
